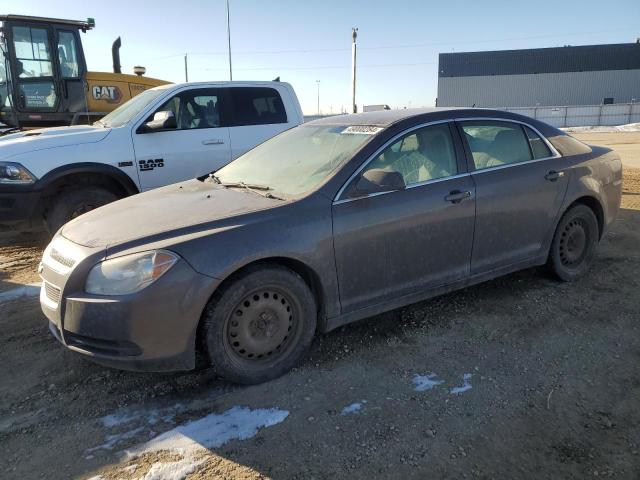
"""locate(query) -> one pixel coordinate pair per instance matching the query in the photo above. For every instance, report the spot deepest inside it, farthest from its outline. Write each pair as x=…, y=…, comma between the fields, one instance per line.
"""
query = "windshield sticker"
x=361, y=130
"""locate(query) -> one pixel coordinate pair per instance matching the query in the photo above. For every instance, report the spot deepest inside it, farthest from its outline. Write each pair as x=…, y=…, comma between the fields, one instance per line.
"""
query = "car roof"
x=384, y=118
x=229, y=83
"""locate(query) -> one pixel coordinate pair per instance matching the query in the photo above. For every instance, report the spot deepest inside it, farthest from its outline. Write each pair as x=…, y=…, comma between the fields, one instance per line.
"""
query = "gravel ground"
x=553, y=371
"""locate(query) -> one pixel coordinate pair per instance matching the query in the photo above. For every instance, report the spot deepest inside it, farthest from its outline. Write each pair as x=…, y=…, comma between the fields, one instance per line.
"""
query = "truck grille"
x=61, y=259
x=52, y=292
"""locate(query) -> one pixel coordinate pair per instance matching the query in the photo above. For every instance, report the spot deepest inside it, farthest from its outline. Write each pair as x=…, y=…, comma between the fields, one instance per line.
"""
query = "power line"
x=385, y=47
x=326, y=67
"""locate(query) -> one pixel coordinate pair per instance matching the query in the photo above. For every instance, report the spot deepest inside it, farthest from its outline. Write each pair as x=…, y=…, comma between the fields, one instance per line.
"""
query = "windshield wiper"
x=252, y=187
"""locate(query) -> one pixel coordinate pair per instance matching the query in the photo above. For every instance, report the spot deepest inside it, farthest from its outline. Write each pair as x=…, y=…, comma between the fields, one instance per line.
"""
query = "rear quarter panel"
x=596, y=174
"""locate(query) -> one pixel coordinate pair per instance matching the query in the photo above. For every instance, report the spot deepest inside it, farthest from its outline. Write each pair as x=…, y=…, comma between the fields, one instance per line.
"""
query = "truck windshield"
x=297, y=161
x=128, y=110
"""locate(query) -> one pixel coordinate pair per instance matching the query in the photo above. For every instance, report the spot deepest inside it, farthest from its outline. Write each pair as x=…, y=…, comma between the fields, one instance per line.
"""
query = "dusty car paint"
x=351, y=252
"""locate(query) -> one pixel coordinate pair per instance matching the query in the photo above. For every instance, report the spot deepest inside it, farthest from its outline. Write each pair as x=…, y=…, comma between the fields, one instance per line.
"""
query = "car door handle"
x=457, y=196
x=213, y=141
x=553, y=175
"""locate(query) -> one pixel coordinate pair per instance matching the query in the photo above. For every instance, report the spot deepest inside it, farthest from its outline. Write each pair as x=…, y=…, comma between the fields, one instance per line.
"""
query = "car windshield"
x=297, y=161
x=128, y=110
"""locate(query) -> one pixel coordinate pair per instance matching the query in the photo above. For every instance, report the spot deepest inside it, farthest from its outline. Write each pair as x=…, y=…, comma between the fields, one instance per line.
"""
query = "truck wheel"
x=74, y=202
x=574, y=243
x=260, y=325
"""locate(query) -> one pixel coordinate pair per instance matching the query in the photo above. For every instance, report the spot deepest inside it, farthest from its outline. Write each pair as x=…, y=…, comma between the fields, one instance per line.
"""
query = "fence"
x=571, y=116
x=583, y=115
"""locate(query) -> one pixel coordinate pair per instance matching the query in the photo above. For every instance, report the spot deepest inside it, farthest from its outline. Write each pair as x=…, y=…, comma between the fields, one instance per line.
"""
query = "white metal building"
x=582, y=75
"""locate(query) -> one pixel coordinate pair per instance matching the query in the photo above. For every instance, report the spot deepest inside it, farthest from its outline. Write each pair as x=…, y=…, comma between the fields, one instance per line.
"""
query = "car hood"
x=43, y=138
x=183, y=206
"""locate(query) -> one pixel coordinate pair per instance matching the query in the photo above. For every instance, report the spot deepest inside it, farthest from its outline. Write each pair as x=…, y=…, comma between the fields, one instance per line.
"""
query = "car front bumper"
x=151, y=330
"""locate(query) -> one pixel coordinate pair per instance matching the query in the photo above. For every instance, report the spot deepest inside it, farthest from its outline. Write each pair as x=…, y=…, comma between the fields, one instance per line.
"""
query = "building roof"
x=585, y=58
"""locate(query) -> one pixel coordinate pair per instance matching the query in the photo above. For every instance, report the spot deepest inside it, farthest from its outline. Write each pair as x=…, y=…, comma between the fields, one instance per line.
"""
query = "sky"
x=305, y=41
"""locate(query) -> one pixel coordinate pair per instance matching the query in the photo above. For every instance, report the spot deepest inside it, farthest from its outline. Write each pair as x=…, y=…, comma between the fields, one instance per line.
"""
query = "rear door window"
x=538, y=147
x=496, y=143
x=256, y=106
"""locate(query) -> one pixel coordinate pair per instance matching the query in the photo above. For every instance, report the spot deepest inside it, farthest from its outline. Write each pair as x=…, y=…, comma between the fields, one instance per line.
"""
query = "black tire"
x=260, y=325
x=574, y=243
x=74, y=202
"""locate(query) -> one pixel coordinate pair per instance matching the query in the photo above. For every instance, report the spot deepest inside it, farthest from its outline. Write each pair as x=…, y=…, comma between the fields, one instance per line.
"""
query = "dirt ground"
x=553, y=371
x=624, y=143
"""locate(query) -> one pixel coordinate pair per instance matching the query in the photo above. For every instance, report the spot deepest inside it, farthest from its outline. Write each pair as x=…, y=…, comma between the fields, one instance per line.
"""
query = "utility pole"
x=186, y=70
x=229, y=42
x=354, y=35
x=318, y=82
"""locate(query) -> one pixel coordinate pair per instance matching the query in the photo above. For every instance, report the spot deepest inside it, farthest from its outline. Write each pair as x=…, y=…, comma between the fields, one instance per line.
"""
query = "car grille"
x=52, y=292
x=61, y=259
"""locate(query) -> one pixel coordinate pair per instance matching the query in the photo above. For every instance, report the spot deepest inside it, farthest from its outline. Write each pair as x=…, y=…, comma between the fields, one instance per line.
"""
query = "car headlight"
x=15, y=173
x=130, y=273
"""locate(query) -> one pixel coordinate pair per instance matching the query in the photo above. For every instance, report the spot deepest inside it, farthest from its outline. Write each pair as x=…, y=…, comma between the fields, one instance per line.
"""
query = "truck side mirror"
x=164, y=120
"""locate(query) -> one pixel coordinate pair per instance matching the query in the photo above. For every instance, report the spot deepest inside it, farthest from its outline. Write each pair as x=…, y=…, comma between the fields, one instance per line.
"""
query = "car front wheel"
x=259, y=325
x=574, y=243
x=74, y=202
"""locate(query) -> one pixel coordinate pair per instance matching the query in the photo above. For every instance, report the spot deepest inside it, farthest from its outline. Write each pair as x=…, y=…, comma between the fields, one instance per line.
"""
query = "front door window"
x=34, y=68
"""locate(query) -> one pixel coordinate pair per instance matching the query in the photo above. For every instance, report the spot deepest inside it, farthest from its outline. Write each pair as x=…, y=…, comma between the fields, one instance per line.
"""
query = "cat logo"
x=148, y=165
x=110, y=94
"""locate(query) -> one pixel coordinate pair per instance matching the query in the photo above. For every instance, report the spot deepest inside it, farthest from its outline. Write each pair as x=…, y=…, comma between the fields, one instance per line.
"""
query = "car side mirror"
x=378, y=180
x=164, y=120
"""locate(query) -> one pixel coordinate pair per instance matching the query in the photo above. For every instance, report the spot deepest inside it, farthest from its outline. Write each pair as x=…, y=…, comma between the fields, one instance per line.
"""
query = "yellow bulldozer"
x=44, y=79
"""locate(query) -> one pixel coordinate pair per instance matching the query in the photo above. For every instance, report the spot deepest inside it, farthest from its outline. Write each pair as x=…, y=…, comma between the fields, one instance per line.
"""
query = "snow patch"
x=192, y=439
x=465, y=385
x=629, y=127
x=112, y=440
x=426, y=382
x=151, y=417
x=353, y=408
x=28, y=290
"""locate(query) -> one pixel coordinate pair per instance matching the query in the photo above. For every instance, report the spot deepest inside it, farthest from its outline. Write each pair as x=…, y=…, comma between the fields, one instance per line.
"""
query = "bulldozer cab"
x=42, y=70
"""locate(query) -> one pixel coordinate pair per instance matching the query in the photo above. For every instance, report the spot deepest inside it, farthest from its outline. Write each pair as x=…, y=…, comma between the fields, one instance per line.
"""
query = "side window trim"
x=471, y=164
x=338, y=197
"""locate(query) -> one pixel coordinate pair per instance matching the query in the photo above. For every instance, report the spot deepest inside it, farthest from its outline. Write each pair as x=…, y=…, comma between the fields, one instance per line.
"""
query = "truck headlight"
x=130, y=273
x=15, y=173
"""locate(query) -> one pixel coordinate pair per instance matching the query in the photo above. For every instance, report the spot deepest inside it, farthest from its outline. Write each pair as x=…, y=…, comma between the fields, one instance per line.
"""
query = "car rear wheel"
x=574, y=243
x=74, y=202
x=260, y=325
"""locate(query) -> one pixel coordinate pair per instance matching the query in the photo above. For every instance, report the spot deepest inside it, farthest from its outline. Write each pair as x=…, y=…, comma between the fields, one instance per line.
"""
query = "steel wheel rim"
x=574, y=242
x=261, y=327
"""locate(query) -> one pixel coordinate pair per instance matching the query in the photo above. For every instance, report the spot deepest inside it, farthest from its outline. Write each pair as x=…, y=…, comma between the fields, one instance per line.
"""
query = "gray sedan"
x=330, y=222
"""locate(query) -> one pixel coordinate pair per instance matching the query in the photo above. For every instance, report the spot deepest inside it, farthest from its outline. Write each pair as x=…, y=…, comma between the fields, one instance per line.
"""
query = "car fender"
x=112, y=154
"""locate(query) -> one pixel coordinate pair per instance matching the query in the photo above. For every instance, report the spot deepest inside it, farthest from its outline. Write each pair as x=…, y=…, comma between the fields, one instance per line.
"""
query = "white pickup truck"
x=163, y=135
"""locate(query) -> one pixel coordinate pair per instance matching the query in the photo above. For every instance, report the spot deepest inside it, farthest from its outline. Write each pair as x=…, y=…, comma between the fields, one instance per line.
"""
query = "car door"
x=36, y=88
x=199, y=143
x=72, y=70
x=399, y=242
x=257, y=114
x=520, y=185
